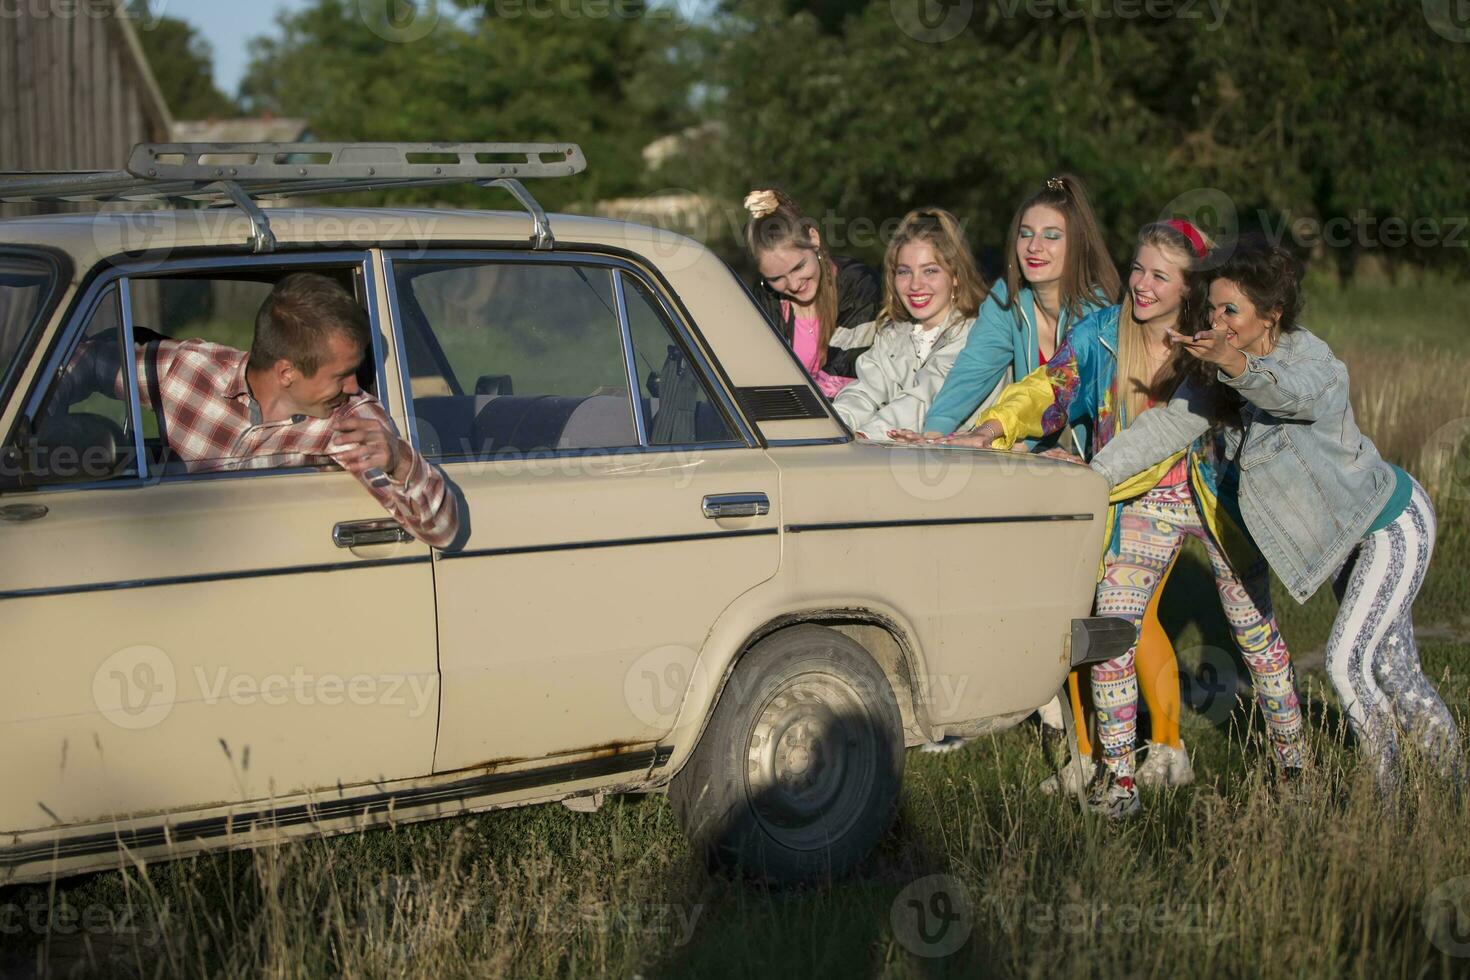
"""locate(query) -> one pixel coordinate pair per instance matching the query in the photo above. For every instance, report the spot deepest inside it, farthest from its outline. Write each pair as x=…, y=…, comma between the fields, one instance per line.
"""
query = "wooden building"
x=75, y=89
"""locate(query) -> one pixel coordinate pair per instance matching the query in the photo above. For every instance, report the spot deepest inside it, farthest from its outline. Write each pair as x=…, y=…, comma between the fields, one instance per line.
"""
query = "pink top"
x=1178, y=473
x=804, y=333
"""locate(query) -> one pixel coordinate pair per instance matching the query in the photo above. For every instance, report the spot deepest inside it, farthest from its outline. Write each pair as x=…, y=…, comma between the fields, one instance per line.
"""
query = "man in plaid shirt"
x=292, y=400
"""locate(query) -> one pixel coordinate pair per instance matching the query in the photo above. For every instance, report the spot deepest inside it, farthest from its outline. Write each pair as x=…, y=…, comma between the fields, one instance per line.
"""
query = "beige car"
x=677, y=570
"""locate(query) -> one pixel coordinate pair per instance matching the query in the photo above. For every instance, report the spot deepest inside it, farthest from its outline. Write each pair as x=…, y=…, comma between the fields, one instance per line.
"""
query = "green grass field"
x=1223, y=878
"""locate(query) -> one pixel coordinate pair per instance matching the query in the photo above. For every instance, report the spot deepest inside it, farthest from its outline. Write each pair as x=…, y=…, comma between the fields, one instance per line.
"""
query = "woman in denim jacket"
x=1314, y=494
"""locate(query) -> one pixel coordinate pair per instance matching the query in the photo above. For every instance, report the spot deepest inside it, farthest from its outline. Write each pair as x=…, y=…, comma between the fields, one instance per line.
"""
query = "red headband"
x=1189, y=231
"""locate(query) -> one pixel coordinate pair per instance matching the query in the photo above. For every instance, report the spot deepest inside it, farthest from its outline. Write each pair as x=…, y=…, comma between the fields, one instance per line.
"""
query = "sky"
x=227, y=25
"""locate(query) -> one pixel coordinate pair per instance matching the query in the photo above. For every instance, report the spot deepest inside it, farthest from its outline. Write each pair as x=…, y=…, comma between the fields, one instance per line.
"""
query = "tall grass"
x=1228, y=877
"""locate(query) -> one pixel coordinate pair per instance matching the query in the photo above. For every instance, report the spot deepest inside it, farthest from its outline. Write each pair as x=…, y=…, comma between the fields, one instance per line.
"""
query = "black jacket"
x=858, y=295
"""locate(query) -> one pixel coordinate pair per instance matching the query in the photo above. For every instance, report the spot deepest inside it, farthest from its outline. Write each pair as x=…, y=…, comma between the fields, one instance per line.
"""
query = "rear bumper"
x=1099, y=638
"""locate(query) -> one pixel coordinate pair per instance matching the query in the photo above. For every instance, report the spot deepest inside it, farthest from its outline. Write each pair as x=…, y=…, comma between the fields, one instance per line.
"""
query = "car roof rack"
x=242, y=174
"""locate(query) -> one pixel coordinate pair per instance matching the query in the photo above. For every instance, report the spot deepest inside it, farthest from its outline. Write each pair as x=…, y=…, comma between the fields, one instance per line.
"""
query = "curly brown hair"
x=1269, y=275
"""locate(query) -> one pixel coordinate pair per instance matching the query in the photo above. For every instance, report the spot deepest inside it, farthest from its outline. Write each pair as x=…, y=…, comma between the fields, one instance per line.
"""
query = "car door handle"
x=716, y=506
x=355, y=534
x=20, y=513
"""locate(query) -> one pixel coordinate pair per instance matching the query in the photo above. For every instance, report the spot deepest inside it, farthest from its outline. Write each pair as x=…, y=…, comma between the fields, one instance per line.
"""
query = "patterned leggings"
x=1371, y=655
x=1152, y=530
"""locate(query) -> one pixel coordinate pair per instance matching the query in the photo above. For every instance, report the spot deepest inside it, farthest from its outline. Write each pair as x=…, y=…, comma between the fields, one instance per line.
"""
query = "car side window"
x=83, y=430
x=513, y=357
x=25, y=283
x=677, y=403
x=217, y=307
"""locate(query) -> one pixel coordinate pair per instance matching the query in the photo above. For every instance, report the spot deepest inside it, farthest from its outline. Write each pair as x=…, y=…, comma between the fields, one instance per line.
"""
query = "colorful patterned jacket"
x=1077, y=387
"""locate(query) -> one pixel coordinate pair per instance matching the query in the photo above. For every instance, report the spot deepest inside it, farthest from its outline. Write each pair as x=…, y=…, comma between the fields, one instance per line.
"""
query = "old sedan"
x=677, y=569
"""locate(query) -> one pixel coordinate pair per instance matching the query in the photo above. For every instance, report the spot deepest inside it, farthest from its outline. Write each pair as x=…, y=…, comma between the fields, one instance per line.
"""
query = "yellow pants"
x=1158, y=680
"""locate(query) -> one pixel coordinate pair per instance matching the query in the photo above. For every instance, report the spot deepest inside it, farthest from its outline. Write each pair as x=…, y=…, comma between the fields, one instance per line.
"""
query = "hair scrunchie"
x=761, y=203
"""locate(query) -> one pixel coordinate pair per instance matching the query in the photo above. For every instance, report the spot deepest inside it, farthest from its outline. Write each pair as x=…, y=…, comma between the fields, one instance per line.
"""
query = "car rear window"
x=26, y=283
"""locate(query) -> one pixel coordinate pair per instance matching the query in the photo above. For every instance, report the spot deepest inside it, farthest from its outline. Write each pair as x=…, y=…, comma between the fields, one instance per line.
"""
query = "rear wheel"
x=798, y=774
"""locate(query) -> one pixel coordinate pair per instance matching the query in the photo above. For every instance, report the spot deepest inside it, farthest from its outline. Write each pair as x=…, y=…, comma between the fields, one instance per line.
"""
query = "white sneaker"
x=1165, y=765
x=1071, y=779
x=1051, y=713
x=946, y=744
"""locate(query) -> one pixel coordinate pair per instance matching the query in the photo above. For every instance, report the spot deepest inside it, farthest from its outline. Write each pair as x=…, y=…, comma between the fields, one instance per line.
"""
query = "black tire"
x=798, y=773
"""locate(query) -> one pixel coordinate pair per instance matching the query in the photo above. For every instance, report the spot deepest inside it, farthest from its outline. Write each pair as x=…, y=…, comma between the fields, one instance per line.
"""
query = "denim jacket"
x=1310, y=483
x=1077, y=388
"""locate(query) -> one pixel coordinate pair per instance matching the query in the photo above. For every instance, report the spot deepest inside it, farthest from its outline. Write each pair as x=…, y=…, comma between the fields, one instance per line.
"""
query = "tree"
x=611, y=77
x=182, y=63
x=1354, y=110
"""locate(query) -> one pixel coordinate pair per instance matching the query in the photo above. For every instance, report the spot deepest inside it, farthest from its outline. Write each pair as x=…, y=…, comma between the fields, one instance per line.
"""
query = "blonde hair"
x=776, y=222
x=1134, y=388
x=1087, y=270
x=941, y=231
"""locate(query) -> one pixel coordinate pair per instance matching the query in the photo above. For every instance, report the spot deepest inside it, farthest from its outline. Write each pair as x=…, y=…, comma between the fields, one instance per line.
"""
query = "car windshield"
x=25, y=284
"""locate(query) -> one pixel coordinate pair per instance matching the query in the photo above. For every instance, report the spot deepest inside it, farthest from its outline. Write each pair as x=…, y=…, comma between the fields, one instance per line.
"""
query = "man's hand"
x=361, y=443
x=1212, y=347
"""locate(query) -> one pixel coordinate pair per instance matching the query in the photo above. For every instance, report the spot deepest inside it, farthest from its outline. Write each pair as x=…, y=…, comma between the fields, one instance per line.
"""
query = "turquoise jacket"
x=1004, y=337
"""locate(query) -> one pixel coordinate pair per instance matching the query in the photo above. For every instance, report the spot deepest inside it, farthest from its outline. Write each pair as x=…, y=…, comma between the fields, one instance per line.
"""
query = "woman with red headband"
x=1116, y=364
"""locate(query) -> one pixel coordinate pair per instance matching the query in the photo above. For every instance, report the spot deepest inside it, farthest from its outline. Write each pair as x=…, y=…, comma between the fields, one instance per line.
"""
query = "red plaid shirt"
x=213, y=423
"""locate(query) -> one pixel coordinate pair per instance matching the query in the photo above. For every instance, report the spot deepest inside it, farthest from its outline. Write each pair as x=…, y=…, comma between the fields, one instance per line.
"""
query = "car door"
x=177, y=640
x=617, y=503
